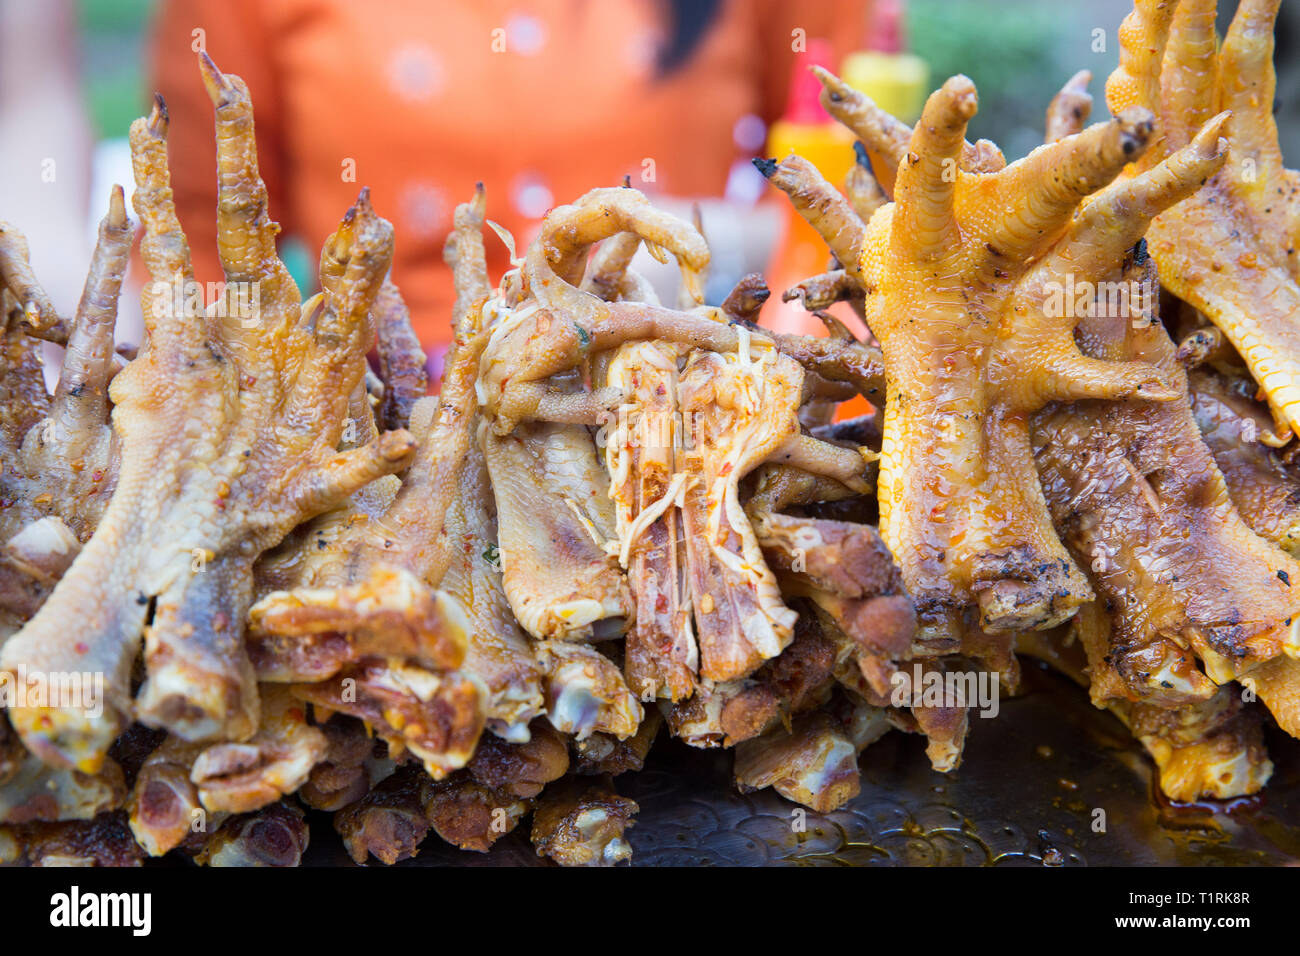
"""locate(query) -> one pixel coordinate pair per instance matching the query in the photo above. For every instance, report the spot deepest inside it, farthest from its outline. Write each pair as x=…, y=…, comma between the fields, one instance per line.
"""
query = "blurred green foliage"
x=1019, y=53
x=113, y=62
x=112, y=16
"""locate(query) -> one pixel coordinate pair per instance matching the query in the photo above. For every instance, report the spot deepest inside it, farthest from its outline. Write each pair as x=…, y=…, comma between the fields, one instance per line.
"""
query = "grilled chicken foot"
x=1230, y=249
x=1196, y=599
x=229, y=421
x=67, y=464
x=1264, y=487
x=888, y=138
x=373, y=593
x=558, y=325
x=968, y=309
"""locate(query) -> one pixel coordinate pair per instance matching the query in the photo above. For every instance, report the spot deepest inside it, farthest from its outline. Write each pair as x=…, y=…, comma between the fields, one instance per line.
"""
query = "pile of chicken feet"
x=304, y=586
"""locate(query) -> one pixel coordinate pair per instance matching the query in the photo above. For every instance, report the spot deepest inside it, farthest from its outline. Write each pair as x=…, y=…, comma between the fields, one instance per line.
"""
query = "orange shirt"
x=541, y=100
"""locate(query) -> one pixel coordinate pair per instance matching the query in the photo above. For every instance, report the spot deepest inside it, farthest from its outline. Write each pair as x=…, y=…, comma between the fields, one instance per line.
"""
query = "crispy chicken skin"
x=274, y=836
x=389, y=822
x=103, y=841
x=227, y=470
x=1230, y=249
x=1196, y=598
x=581, y=821
x=1264, y=487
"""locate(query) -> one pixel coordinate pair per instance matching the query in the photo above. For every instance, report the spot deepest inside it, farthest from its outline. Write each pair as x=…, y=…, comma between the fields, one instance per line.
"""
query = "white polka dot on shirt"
x=641, y=51
x=416, y=72
x=424, y=210
x=525, y=34
x=531, y=195
x=749, y=133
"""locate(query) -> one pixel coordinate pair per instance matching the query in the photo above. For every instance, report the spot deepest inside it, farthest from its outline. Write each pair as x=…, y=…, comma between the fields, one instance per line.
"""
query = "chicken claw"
x=1230, y=249
x=974, y=342
x=229, y=421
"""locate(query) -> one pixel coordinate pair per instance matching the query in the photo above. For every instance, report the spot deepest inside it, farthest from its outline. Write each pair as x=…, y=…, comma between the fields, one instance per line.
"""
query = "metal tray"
x=1025, y=795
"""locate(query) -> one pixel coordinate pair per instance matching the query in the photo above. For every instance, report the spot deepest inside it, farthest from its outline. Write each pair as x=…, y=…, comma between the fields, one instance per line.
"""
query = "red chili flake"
x=250, y=380
x=725, y=470
x=220, y=503
x=82, y=647
x=97, y=475
x=296, y=713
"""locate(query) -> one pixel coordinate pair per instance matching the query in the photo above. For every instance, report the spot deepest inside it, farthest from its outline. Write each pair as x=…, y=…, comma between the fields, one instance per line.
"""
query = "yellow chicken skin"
x=964, y=273
x=1087, y=252
x=1230, y=249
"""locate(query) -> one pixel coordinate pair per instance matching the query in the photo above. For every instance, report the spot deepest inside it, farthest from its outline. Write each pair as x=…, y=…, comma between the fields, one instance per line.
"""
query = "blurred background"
x=540, y=99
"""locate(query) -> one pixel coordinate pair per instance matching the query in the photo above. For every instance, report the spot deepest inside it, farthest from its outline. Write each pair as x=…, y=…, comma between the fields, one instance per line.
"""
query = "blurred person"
x=45, y=166
x=541, y=100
